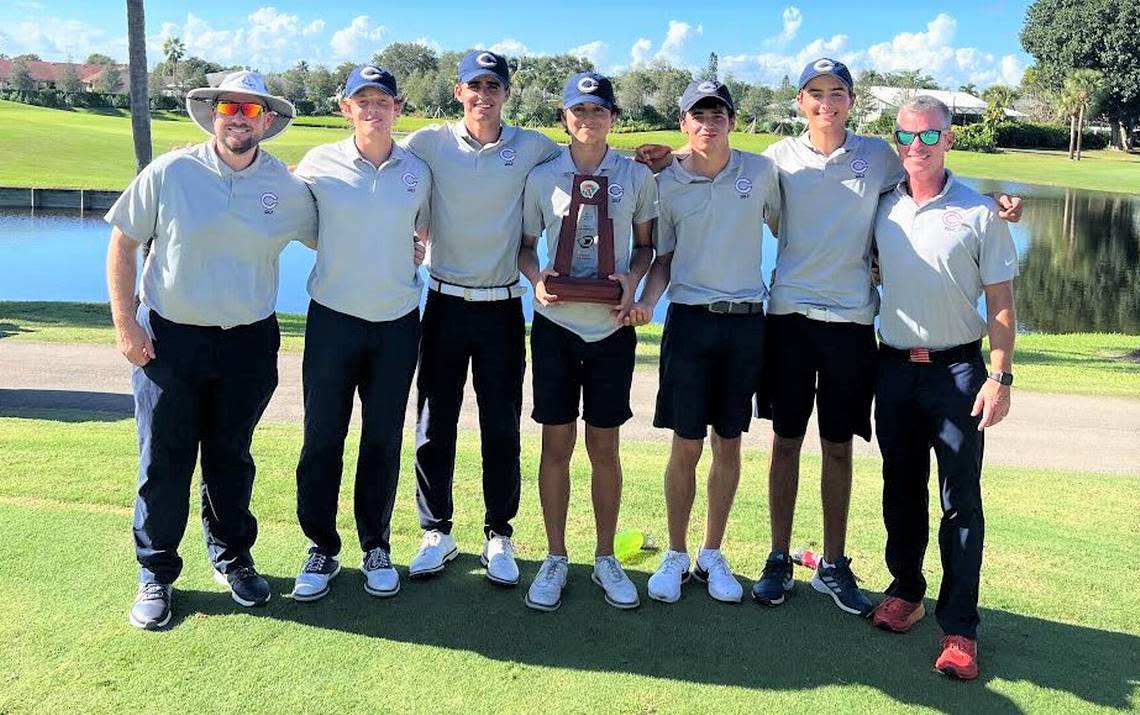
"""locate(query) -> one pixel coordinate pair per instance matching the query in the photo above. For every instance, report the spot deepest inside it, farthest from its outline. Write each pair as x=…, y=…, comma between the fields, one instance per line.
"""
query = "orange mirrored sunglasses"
x=249, y=110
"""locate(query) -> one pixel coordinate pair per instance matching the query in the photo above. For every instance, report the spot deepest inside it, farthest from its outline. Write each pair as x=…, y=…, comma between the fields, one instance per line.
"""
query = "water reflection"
x=1079, y=253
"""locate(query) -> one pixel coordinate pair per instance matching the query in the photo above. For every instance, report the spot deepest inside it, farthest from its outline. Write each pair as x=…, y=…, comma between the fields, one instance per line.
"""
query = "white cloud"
x=675, y=38
x=357, y=40
x=639, y=53
x=931, y=51
x=594, y=51
x=510, y=46
x=428, y=43
x=315, y=27
x=56, y=39
x=792, y=19
x=268, y=40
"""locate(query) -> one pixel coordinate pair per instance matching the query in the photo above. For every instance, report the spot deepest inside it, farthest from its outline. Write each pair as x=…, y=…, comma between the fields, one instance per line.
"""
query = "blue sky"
x=965, y=41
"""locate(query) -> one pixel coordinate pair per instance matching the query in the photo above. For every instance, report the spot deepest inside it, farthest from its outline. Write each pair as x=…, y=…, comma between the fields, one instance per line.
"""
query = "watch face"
x=1005, y=378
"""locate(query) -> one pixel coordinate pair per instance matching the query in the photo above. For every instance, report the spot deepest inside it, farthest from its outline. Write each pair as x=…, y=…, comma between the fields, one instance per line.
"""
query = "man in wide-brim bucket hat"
x=243, y=86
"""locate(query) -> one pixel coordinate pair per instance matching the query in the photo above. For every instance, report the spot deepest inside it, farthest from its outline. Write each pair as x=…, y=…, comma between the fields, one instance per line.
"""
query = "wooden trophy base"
x=584, y=290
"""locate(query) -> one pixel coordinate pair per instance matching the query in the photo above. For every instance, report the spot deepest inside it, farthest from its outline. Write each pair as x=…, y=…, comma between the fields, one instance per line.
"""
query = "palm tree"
x=1080, y=95
x=175, y=50
x=140, y=109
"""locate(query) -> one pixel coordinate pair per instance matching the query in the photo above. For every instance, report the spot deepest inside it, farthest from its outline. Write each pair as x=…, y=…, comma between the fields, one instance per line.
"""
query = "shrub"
x=1032, y=135
x=975, y=137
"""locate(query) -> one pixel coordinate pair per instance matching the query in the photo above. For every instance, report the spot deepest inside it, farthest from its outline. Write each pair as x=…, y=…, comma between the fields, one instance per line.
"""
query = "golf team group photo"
x=870, y=318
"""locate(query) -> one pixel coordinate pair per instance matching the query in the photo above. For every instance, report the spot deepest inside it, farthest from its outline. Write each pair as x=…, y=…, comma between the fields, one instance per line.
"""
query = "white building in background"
x=965, y=107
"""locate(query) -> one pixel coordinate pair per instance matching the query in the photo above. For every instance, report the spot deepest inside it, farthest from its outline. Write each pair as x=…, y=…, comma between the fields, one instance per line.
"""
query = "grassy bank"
x=93, y=150
x=69, y=576
x=1080, y=363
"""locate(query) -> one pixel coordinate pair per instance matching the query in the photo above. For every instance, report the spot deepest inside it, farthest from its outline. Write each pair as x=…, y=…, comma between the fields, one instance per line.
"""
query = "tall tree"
x=69, y=79
x=1081, y=94
x=21, y=77
x=998, y=98
x=1065, y=35
x=174, y=50
x=97, y=58
x=140, y=109
x=712, y=68
x=403, y=59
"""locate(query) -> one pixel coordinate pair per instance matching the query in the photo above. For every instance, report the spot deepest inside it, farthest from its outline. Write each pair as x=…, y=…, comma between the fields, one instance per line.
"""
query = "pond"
x=1079, y=253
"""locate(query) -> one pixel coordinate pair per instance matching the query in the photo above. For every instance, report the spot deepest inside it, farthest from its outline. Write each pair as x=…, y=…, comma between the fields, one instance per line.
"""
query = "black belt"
x=958, y=353
x=728, y=307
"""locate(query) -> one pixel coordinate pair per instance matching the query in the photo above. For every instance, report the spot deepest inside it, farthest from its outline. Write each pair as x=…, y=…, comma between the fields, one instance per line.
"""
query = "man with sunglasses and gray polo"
x=473, y=316
x=204, y=338
x=941, y=247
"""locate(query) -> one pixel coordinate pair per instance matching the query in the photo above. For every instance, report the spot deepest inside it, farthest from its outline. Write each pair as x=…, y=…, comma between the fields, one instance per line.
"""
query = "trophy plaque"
x=585, y=256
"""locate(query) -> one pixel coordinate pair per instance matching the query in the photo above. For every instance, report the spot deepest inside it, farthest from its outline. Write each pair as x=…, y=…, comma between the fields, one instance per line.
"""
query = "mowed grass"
x=55, y=148
x=1059, y=633
x=1077, y=363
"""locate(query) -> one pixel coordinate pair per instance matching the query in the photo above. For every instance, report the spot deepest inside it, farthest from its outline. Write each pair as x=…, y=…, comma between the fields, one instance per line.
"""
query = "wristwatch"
x=1003, y=378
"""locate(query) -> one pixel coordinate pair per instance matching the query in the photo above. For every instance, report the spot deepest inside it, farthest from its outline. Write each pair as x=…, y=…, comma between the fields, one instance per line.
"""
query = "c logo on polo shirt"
x=588, y=188
x=707, y=86
x=616, y=191
x=824, y=65
x=508, y=155
x=371, y=73
x=744, y=186
x=952, y=219
x=587, y=84
x=859, y=166
x=410, y=180
x=486, y=59
x=269, y=201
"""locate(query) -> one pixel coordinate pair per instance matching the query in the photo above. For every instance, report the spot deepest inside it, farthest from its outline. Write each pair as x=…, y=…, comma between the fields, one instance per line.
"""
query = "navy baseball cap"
x=700, y=89
x=370, y=76
x=827, y=66
x=588, y=88
x=483, y=62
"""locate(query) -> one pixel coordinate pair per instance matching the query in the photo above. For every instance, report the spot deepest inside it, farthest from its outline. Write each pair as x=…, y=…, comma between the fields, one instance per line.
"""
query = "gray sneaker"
x=151, y=610
x=380, y=578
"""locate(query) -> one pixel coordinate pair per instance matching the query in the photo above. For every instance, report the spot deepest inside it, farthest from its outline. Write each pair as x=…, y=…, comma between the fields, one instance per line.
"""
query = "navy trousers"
x=490, y=336
x=345, y=354
x=919, y=407
x=204, y=392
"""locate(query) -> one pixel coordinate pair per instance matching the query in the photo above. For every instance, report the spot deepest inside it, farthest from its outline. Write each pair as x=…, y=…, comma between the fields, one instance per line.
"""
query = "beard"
x=240, y=145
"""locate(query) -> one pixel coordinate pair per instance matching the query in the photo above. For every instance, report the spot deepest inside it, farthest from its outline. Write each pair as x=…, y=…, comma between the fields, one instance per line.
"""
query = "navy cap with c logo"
x=700, y=89
x=484, y=62
x=588, y=88
x=827, y=66
x=370, y=76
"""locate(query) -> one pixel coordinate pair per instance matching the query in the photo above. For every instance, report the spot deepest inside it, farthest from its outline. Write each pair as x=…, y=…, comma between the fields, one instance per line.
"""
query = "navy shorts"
x=710, y=364
x=830, y=365
x=567, y=370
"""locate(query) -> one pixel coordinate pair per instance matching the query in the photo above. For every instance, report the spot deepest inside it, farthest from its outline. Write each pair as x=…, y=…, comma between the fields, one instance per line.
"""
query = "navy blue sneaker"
x=247, y=586
x=775, y=581
x=837, y=581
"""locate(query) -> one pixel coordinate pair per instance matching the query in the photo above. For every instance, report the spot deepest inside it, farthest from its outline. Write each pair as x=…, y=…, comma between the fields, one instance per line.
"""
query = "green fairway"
x=53, y=148
x=1056, y=635
x=1079, y=363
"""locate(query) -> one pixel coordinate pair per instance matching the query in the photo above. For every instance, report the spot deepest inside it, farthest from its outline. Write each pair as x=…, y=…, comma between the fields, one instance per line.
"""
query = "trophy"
x=585, y=256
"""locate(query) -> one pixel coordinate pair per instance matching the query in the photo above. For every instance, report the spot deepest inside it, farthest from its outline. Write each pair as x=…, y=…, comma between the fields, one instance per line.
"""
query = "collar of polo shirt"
x=950, y=180
x=566, y=161
x=849, y=139
x=224, y=169
x=353, y=152
x=506, y=133
x=734, y=159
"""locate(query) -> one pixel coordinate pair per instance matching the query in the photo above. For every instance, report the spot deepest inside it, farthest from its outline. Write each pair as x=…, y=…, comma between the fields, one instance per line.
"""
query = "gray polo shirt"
x=546, y=201
x=476, y=202
x=827, y=213
x=934, y=262
x=367, y=214
x=217, y=234
x=715, y=229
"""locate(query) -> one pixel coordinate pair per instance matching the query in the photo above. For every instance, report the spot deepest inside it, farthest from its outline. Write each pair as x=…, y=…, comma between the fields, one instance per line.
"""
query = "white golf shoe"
x=620, y=591
x=499, y=559
x=545, y=592
x=713, y=569
x=665, y=583
x=436, y=549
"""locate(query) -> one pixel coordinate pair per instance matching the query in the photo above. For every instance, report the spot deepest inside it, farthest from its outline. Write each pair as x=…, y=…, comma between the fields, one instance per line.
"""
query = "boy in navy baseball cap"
x=369, y=76
x=478, y=63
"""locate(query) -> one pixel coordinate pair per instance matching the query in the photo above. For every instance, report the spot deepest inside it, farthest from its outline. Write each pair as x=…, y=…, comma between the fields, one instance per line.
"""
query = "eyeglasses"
x=929, y=137
x=249, y=110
